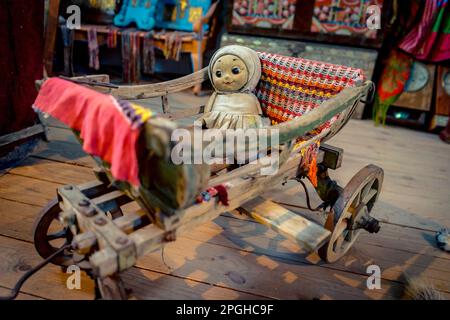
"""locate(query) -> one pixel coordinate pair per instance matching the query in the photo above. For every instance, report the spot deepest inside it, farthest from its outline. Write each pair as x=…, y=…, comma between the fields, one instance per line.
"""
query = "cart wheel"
x=111, y=288
x=351, y=213
x=50, y=235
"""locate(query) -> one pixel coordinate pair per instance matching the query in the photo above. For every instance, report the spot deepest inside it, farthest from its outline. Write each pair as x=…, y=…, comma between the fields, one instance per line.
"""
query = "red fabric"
x=21, y=43
x=222, y=193
x=105, y=130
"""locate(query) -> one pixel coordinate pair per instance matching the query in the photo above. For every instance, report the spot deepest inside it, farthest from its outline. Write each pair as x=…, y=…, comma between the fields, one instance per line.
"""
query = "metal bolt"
x=122, y=240
x=100, y=221
x=83, y=203
x=88, y=212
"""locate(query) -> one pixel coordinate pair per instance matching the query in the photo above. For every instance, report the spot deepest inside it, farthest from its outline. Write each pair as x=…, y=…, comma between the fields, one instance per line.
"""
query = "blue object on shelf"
x=141, y=12
x=181, y=15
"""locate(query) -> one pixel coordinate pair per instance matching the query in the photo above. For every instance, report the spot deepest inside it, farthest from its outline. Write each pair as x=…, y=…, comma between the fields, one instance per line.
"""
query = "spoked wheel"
x=50, y=235
x=111, y=288
x=351, y=213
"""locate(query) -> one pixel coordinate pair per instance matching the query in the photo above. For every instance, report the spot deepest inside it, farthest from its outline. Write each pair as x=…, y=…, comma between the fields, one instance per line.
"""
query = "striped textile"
x=291, y=87
x=422, y=30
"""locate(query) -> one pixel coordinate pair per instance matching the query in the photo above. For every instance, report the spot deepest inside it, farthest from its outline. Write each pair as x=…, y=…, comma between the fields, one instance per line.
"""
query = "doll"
x=234, y=72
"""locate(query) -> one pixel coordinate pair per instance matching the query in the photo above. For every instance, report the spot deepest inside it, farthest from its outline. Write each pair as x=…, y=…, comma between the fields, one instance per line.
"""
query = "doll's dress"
x=234, y=111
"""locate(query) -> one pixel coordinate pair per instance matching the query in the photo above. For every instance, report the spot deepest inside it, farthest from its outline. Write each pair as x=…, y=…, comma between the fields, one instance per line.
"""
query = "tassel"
x=222, y=194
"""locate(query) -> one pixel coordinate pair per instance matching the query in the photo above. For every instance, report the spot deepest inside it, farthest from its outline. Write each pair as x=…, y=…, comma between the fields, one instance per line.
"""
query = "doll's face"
x=229, y=73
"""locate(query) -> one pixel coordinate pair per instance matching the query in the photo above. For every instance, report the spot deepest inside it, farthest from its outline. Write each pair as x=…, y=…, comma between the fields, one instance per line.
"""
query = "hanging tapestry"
x=272, y=14
x=344, y=17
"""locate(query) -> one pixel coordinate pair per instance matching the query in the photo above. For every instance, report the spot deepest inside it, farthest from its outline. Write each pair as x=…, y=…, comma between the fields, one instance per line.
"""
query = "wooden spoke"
x=369, y=196
x=58, y=235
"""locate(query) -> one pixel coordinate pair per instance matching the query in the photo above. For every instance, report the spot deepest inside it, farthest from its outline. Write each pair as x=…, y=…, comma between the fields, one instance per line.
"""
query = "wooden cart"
x=104, y=242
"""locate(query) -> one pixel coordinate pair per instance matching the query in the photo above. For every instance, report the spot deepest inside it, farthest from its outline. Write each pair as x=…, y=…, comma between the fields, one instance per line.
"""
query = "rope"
x=29, y=273
x=308, y=202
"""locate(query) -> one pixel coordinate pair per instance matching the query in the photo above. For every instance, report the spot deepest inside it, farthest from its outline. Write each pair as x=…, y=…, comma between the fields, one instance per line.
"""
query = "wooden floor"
x=232, y=258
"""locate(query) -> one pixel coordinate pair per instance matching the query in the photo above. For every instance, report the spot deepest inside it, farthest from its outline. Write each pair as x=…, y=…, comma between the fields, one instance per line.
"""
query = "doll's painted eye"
x=218, y=73
x=235, y=70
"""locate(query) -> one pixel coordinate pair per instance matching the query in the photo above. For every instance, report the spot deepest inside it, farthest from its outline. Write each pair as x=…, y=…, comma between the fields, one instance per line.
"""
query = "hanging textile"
x=130, y=55
x=109, y=128
x=391, y=84
x=172, y=45
x=430, y=39
x=93, y=48
x=111, y=40
x=67, y=37
x=148, y=52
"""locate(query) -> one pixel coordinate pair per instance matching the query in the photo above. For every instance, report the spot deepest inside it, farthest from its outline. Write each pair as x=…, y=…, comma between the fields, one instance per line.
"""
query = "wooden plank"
x=51, y=171
x=262, y=274
x=65, y=152
x=396, y=250
x=22, y=134
x=21, y=296
x=17, y=219
x=27, y=190
x=50, y=282
x=302, y=231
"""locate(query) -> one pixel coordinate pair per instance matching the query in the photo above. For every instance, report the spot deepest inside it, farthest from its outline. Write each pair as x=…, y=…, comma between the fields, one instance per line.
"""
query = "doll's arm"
x=210, y=102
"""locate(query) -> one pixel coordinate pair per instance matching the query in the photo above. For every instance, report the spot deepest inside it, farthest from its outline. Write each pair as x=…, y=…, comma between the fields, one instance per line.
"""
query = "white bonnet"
x=248, y=56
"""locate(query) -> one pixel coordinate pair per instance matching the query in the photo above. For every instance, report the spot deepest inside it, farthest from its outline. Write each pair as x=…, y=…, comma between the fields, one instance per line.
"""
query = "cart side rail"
x=145, y=91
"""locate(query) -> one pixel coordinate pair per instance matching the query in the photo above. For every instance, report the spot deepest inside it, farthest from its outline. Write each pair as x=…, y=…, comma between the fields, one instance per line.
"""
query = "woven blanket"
x=291, y=87
x=108, y=127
